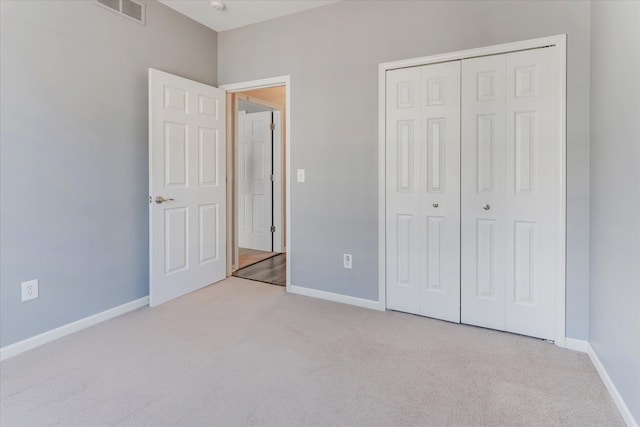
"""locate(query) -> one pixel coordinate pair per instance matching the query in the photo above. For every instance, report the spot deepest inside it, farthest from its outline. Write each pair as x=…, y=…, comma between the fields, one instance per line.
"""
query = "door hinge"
x=273, y=228
x=273, y=178
x=273, y=126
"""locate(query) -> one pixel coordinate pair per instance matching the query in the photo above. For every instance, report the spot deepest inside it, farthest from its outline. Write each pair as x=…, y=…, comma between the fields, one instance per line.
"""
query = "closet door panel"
x=440, y=195
x=423, y=190
x=403, y=190
x=531, y=197
x=482, y=192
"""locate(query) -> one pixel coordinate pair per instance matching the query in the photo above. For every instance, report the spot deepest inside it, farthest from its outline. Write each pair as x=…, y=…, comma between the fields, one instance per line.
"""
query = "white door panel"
x=440, y=191
x=254, y=181
x=482, y=192
x=531, y=193
x=423, y=190
x=402, y=194
x=187, y=167
x=509, y=192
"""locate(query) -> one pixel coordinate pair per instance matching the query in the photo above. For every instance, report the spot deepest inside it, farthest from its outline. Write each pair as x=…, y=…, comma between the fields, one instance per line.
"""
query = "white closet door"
x=532, y=192
x=483, y=190
x=423, y=190
x=509, y=192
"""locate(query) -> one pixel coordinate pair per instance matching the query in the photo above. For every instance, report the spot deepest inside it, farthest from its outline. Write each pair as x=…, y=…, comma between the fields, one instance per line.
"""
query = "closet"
x=472, y=195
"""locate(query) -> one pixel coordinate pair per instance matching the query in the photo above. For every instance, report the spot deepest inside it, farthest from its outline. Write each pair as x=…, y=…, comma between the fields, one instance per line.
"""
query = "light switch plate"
x=300, y=175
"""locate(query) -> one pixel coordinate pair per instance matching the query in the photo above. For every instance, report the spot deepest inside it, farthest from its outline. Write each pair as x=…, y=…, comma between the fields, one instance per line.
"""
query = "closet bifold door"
x=509, y=211
x=423, y=190
x=483, y=225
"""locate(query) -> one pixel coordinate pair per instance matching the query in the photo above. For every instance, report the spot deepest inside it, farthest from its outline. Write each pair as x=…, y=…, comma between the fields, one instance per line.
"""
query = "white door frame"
x=262, y=84
x=560, y=42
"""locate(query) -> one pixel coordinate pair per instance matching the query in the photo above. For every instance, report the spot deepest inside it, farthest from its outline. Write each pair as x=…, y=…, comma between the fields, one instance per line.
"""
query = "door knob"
x=161, y=199
x=486, y=206
x=436, y=204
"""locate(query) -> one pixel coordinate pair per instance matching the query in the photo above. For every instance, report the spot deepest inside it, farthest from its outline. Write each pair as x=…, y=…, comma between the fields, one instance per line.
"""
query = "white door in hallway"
x=187, y=186
x=423, y=190
x=510, y=203
x=255, y=185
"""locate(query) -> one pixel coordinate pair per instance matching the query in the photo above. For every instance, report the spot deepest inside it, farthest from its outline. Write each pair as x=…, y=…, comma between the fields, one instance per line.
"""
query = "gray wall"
x=73, y=165
x=615, y=194
x=332, y=54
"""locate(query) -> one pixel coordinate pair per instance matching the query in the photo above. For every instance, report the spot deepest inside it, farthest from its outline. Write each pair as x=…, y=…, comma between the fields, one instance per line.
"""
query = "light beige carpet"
x=242, y=353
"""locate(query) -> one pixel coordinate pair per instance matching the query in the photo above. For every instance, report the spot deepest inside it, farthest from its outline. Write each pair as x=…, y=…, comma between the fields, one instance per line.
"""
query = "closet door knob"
x=436, y=204
x=486, y=206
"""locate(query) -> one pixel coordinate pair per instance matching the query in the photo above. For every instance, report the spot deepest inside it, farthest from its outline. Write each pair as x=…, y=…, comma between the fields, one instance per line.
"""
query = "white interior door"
x=423, y=190
x=255, y=185
x=510, y=167
x=187, y=186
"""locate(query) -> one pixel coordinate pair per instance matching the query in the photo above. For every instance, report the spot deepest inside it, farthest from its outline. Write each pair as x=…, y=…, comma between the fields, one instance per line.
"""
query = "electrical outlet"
x=29, y=290
x=348, y=259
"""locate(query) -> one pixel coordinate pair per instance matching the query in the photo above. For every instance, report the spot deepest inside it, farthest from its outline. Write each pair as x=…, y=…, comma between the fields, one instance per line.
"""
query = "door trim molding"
x=262, y=84
x=560, y=42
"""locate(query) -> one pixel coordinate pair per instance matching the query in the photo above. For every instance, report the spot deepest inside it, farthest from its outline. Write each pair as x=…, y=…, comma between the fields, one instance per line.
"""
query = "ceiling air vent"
x=128, y=8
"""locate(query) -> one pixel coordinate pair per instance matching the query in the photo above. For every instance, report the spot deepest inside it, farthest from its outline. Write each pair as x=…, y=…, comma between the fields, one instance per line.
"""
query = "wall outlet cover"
x=348, y=261
x=29, y=290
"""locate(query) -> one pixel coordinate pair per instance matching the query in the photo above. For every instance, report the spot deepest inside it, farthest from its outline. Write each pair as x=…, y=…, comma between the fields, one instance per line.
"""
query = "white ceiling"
x=238, y=13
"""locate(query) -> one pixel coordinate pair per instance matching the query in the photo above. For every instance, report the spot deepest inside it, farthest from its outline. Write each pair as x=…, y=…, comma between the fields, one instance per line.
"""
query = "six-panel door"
x=187, y=244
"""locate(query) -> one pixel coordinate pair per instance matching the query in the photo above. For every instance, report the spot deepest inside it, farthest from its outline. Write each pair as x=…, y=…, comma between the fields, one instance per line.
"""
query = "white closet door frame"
x=560, y=42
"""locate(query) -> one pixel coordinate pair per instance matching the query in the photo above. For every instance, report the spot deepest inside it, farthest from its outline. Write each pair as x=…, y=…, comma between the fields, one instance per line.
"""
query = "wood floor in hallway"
x=272, y=270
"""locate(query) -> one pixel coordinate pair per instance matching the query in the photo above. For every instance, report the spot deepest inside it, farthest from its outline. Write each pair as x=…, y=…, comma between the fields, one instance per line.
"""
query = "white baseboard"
x=585, y=347
x=330, y=296
x=577, y=345
x=46, y=337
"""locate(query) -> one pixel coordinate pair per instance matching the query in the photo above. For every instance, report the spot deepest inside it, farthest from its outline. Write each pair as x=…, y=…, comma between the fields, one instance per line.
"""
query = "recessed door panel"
x=209, y=232
x=176, y=240
x=176, y=155
x=524, y=144
x=485, y=262
x=405, y=155
x=208, y=106
x=406, y=243
x=176, y=99
x=436, y=255
x=436, y=150
x=208, y=161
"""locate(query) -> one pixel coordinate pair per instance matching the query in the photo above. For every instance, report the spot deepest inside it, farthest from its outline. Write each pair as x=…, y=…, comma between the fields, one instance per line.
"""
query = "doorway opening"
x=258, y=203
